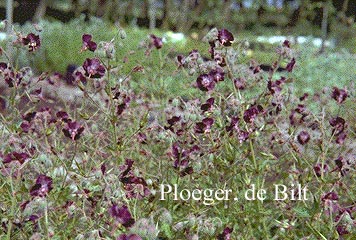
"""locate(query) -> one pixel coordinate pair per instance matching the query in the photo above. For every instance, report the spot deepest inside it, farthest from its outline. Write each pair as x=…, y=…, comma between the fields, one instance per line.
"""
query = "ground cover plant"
x=96, y=165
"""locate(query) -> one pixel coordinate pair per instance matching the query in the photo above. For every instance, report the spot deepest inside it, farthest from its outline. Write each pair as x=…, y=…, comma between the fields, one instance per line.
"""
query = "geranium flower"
x=341, y=138
x=339, y=95
x=290, y=65
x=240, y=83
x=135, y=187
x=233, y=124
x=129, y=237
x=121, y=215
x=25, y=126
x=88, y=44
x=142, y=138
x=156, y=41
x=180, y=156
x=33, y=42
x=303, y=137
x=73, y=130
x=204, y=125
x=219, y=59
x=275, y=86
x=63, y=116
x=242, y=136
x=207, y=106
x=286, y=43
x=226, y=234
x=319, y=169
x=93, y=68
x=12, y=78
x=225, y=37
x=205, y=82
x=16, y=156
x=173, y=120
x=251, y=113
x=338, y=124
x=217, y=74
x=3, y=66
x=180, y=60
x=330, y=196
x=42, y=187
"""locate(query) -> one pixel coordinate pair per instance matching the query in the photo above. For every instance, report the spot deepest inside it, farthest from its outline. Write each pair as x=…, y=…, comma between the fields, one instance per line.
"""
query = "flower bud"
x=122, y=33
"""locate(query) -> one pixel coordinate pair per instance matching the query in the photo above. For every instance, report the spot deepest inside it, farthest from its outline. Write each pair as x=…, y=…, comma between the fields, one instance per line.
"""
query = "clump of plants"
x=113, y=163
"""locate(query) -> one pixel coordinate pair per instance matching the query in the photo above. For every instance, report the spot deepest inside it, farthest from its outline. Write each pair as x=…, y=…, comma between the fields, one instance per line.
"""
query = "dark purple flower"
x=75, y=75
x=305, y=96
x=240, y=83
x=341, y=138
x=233, y=124
x=142, y=138
x=156, y=41
x=122, y=215
x=3, y=66
x=42, y=187
x=225, y=37
x=180, y=156
x=194, y=55
x=217, y=74
x=226, y=234
x=33, y=218
x=29, y=116
x=63, y=116
x=69, y=77
x=341, y=230
x=275, y=86
x=286, y=43
x=103, y=168
x=180, y=60
x=186, y=171
x=251, y=113
x=242, y=136
x=332, y=196
x=33, y=42
x=212, y=49
x=135, y=187
x=205, y=82
x=93, y=68
x=12, y=78
x=129, y=237
x=339, y=162
x=15, y=156
x=290, y=65
x=207, y=105
x=300, y=108
x=303, y=137
x=173, y=120
x=120, y=109
x=204, y=126
x=339, y=95
x=320, y=169
x=25, y=126
x=219, y=59
x=338, y=125
x=73, y=130
x=88, y=44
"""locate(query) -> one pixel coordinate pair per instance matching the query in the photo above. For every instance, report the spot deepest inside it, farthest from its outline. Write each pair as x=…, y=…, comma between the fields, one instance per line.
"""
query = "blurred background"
x=300, y=17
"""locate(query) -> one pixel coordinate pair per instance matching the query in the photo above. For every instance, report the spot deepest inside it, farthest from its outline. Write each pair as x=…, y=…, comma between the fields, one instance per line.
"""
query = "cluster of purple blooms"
x=183, y=150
